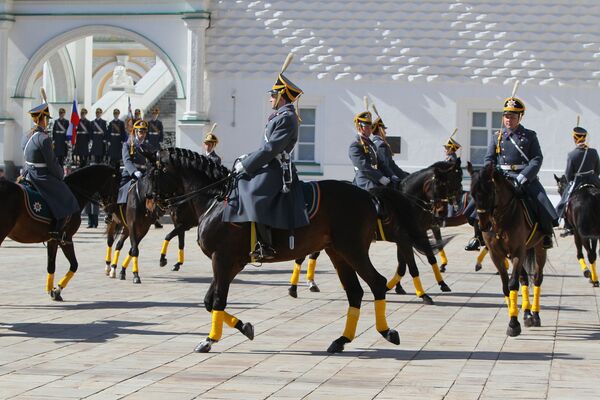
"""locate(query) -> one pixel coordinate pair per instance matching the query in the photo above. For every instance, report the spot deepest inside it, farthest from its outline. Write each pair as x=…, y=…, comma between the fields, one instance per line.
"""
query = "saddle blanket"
x=312, y=197
x=36, y=206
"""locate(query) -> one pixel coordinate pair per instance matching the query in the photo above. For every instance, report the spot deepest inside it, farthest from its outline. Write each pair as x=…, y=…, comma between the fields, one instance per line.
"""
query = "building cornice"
x=185, y=14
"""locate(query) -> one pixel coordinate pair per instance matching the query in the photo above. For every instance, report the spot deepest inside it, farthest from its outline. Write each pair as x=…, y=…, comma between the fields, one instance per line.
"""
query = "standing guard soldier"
x=385, y=154
x=99, y=132
x=137, y=115
x=116, y=137
x=59, y=137
x=268, y=191
x=155, y=129
x=81, y=151
x=46, y=174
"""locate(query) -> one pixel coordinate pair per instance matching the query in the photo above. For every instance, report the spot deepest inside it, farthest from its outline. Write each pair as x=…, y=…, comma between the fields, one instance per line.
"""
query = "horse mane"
x=416, y=177
x=192, y=161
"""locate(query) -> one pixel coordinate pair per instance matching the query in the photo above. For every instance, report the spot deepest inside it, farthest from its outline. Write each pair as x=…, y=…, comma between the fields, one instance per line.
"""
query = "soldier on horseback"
x=384, y=151
x=268, y=190
x=45, y=173
x=451, y=147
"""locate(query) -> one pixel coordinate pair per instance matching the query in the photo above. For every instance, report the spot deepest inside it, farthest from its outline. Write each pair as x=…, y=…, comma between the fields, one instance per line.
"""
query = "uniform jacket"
x=116, y=136
x=82, y=138
x=131, y=163
x=155, y=132
x=99, y=132
x=259, y=196
x=363, y=155
x=47, y=175
x=59, y=137
x=215, y=157
x=386, y=158
x=590, y=167
x=452, y=157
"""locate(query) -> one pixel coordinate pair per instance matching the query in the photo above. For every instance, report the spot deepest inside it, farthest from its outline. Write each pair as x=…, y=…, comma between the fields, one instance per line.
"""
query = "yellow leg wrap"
x=526, y=305
x=482, y=253
x=437, y=273
x=380, y=321
x=594, y=274
x=108, y=253
x=583, y=264
x=136, y=266
x=165, y=246
x=115, y=259
x=443, y=257
x=295, y=274
x=537, y=291
x=180, y=256
x=418, y=286
x=126, y=261
x=513, y=307
x=49, y=283
x=351, y=322
x=394, y=281
x=506, y=263
x=216, y=331
x=65, y=280
x=310, y=271
x=229, y=319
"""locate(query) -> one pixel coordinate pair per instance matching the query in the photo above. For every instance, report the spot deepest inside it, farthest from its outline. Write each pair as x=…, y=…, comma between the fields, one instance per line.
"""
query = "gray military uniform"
x=259, y=196
x=582, y=168
x=363, y=155
x=59, y=137
x=45, y=173
x=116, y=137
x=451, y=158
x=99, y=132
x=386, y=158
x=155, y=133
x=132, y=163
x=215, y=157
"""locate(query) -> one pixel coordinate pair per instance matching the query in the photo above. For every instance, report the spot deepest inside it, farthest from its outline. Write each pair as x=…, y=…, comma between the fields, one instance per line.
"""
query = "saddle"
x=36, y=206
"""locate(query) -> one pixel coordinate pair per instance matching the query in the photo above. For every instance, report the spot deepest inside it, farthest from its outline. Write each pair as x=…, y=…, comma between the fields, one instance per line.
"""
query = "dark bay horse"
x=344, y=226
x=17, y=224
x=583, y=214
x=509, y=233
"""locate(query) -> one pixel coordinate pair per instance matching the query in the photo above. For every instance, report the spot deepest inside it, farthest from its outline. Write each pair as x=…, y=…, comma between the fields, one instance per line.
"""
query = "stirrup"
x=262, y=252
x=473, y=245
x=59, y=237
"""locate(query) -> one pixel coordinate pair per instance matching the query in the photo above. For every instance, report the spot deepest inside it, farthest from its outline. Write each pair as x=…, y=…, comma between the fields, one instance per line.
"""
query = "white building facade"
x=429, y=66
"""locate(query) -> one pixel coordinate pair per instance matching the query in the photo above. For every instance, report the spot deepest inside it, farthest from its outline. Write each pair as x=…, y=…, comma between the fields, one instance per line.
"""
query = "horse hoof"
x=587, y=273
x=312, y=286
x=293, y=291
x=478, y=267
x=537, y=322
x=107, y=269
x=528, y=321
x=204, y=346
x=113, y=272
x=248, y=330
x=122, y=274
x=427, y=300
x=443, y=268
x=514, y=327
x=444, y=287
x=337, y=346
x=596, y=284
x=163, y=260
x=55, y=295
x=136, y=278
x=392, y=336
x=400, y=289
x=176, y=267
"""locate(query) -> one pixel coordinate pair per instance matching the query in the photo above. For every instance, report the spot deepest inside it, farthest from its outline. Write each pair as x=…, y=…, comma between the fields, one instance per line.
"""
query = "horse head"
x=483, y=193
x=444, y=186
x=561, y=183
x=95, y=182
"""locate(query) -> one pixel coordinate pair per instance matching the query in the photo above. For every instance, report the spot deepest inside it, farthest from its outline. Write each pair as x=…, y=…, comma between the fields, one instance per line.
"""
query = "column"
x=195, y=67
x=5, y=25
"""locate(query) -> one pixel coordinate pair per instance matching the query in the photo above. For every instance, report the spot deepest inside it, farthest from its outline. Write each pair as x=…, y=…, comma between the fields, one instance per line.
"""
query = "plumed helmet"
x=140, y=125
x=283, y=86
x=211, y=138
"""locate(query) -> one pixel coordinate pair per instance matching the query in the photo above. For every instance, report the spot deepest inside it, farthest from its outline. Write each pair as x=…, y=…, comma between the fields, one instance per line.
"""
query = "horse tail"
x=529, y=262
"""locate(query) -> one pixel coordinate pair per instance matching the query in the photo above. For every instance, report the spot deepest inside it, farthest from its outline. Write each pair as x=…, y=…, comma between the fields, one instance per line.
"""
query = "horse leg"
x=310, y=272
x=514, y=327
x=437, y=234
x=110, y=240
x=69, y=252
x=51, y=248
x=540, y=261
x=138, y=231
x=405, y=256
x=180, y=252
x=163, y=251
x=400, y=271
x=525, y=304
x=113, y=267
x=579, y=247
x=592, y=259
x=354, y=293
x=293, y=289
x=436, y=272
x=499, y=259
x=245, y=328
x=482, y=253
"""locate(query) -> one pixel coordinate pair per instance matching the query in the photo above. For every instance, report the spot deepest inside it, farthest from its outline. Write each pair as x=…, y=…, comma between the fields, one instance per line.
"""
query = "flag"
x=73, y=124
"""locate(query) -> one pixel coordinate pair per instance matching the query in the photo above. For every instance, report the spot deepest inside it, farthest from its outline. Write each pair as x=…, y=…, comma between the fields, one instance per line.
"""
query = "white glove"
x=137, y=174
x=238, y=168
x=384, y=180
x=521, y=179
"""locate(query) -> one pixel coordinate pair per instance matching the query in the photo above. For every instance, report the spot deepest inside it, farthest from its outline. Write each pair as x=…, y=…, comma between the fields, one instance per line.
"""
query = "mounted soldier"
x=44, y=172
x=99, y=132
x=59, y=137
x=451, y=147
x=516, y=150
x=210, y=142
x=81, y=150
x=155, y=129
x=384, y=151
x=116, y=136
x=268, y=190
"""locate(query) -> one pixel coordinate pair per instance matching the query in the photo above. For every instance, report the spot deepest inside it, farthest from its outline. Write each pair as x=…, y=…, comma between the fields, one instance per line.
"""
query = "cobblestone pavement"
x=112, y=339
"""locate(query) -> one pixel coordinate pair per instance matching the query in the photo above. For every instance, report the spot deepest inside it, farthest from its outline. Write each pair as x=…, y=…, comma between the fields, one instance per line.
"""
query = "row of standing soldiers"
x=97, y=140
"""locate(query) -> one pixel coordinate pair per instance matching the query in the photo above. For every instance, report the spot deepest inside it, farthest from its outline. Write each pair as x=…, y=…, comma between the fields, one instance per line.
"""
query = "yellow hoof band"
x=180, y=256
x=443, y=257
x=136, y=266
x=310, y=272
x=108, y=254
x=506, y=263
x=513, y=308
x=49, y=282
x=380, y=321
x=115, y=259
x=351, y=323
x=126, y=261
x=229, y=319
x=437, y=273
x=482, y=253
x=593, y=270
x=65, y=280
x=418, y=286
x=165, y=246
x=216, y=331
x=295, y=274
x=583, y=264
x=526, y=305
x=394, y=281
x=537, y=291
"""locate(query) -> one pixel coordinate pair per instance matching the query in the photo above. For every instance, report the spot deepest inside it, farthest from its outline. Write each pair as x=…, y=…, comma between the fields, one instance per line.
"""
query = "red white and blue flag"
x=73, y=124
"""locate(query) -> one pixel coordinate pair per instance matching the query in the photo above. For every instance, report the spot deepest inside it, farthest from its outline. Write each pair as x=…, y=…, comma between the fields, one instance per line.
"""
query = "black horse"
x=15, y=221
x=344, y=226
